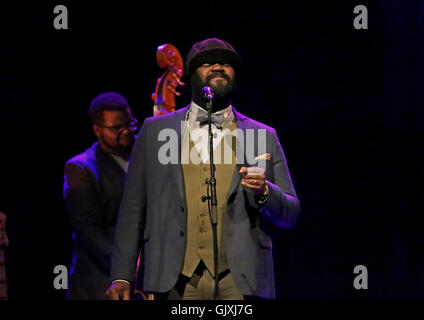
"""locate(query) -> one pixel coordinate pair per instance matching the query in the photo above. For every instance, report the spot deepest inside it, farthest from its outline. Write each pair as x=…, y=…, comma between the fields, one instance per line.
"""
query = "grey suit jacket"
x=92, y=191
x=153, y=213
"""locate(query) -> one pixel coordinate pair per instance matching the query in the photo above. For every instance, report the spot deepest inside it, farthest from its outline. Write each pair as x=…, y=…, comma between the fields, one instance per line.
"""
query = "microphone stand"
x=212, y=200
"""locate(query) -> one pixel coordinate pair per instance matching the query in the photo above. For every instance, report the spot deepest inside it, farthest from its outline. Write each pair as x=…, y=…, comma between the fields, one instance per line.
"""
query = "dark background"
x=346, y=105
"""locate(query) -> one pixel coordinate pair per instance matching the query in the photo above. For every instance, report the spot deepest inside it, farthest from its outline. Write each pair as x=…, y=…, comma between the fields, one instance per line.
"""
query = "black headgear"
x=211, y=51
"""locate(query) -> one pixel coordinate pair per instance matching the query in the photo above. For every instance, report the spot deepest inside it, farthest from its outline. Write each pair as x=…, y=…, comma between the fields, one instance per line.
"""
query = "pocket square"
x=265, y=156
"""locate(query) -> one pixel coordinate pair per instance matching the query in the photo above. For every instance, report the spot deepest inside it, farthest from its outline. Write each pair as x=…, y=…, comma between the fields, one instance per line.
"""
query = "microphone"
x=207, y=93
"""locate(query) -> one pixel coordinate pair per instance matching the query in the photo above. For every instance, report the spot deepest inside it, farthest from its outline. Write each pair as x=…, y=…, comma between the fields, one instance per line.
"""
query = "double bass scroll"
x=168, y=57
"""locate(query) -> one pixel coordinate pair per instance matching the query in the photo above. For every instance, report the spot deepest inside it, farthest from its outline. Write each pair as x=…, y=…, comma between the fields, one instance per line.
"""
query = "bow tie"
x=216, y=119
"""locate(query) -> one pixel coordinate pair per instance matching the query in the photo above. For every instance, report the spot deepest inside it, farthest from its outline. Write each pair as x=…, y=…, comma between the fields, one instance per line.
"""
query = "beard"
x=120, y=147
x=222, y=89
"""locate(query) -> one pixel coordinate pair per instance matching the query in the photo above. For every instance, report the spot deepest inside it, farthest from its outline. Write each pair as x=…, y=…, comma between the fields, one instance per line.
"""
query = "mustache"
x=120, y=135
x=218, y=74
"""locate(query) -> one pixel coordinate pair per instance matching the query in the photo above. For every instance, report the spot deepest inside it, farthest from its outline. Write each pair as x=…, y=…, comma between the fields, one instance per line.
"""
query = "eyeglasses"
x=118, y=129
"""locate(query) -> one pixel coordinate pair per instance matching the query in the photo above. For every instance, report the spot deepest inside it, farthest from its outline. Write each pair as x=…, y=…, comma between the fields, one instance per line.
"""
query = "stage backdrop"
x=347, y=106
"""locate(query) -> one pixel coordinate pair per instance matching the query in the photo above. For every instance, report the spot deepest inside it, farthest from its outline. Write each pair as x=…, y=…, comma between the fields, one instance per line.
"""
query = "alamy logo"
x=61, y=280
x=61, y=20
x=244, y=142
x=361, y=20
x=361, y=280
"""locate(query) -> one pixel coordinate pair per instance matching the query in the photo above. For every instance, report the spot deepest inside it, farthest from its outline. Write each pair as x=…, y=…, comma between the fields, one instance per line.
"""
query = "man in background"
x=92, y=191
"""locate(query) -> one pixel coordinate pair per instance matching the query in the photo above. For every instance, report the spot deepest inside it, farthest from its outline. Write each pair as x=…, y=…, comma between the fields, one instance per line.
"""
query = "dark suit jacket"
x=154, y=211
x=92, y=192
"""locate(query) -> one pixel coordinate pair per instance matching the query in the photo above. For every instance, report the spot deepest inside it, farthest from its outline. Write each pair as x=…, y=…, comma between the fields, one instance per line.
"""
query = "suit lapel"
x=110, y=167
x=179, y=117
x=242, y=124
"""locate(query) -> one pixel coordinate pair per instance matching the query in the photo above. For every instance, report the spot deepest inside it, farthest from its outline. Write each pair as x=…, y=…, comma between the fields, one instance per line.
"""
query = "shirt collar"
x=194, y=109
x=121, y=161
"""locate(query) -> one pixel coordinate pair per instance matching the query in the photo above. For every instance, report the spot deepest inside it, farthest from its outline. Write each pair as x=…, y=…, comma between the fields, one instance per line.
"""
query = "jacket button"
x=181, y=233
x=182, y=208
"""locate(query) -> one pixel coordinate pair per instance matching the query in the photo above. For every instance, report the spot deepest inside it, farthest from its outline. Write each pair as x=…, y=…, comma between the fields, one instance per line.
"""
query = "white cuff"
x=120, y=280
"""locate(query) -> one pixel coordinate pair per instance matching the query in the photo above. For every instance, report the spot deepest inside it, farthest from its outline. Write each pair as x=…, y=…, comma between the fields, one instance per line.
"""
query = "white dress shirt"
x=199, y=134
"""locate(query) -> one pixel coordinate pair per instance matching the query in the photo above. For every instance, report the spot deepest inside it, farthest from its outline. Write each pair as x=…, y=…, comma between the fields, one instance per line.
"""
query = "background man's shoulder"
x=86, y=158
x=160, y=120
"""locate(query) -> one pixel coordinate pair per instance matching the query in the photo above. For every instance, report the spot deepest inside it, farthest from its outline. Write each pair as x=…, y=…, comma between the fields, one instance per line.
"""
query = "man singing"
x=162, y=212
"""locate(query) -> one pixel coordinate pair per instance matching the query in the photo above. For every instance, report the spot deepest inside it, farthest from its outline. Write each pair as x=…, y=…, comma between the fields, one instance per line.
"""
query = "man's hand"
x=118, y=290
x=254, y=179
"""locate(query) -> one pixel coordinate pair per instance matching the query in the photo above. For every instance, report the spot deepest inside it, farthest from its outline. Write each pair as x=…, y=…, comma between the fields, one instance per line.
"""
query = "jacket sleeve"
x=83, y=205
x=282, y=207
x=131, y=218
